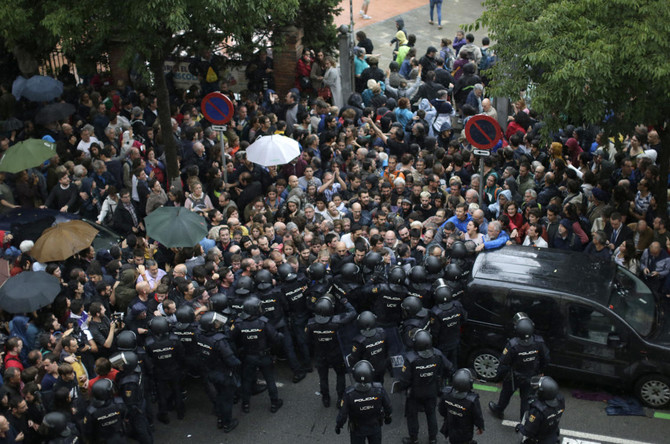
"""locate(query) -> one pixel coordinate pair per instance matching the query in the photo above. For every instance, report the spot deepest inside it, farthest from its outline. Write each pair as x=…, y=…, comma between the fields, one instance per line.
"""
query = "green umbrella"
x=175, y=226
x=27, y=154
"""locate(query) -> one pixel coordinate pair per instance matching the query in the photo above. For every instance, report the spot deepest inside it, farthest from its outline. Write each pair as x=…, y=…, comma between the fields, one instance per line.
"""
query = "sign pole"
x=223, y=156
x=481, y=183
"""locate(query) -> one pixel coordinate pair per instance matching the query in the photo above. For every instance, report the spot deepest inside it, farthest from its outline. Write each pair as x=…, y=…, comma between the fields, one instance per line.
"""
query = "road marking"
x=582, y=435
x=485, y=388
x=661, y=415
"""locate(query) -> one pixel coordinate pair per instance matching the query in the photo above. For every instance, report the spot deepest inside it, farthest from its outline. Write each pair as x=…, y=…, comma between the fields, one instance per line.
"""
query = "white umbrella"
x=273, y=150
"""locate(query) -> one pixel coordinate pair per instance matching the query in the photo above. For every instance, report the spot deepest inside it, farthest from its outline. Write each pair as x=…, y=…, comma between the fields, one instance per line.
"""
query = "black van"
x=601, y=323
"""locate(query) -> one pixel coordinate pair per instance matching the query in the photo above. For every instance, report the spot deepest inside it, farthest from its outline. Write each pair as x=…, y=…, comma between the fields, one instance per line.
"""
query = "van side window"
x=489, y=305
x=589, y=324
x=543, y=311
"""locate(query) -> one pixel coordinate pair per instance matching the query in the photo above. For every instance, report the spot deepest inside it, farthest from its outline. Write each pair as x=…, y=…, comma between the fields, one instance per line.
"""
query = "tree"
x=155, y=29
x=601, y=62
x=316, y=18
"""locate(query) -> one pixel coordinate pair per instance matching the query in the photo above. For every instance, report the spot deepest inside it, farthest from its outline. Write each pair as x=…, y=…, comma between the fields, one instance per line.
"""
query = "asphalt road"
x=304, y=420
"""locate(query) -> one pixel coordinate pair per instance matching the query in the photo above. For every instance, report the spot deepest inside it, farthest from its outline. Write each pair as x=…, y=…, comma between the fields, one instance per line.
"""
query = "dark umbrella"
x=42, y=89
x=11, y=124
x=175, y=226
x=28, y=291
x=54, y=112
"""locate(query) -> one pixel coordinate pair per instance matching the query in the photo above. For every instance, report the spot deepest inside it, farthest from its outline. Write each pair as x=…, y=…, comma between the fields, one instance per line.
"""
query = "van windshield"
x=633, y=301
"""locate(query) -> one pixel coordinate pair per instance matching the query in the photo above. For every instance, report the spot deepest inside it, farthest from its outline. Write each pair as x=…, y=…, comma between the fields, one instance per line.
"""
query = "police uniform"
x=220, y=367
x=253, y=337
x=326, y=350
x=446, y=328
x=520, y=361
x=421, y=290
x=411, y=325
x=461, y=415
x=422, y=377
x=298, y=313
x=166, y=353
x=131, y=387
x=352, y=291
x=540, y=424
x=103, y=422
x=373, y=349
x=385, y=300
x=186, y=332
x=365, y=410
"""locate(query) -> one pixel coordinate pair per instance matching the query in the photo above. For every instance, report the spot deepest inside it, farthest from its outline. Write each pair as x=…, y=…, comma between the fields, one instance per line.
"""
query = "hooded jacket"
x=125, y=291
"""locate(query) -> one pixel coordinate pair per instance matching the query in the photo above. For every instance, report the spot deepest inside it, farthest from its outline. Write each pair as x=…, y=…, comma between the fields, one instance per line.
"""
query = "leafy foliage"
x=316, y=19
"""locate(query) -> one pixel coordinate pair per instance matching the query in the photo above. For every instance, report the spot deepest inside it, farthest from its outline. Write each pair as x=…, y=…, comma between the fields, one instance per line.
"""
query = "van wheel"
x=653, y=391
x=485, y=363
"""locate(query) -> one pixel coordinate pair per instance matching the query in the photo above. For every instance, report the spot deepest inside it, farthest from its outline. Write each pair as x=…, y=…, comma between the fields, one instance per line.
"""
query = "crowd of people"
x=385, y=189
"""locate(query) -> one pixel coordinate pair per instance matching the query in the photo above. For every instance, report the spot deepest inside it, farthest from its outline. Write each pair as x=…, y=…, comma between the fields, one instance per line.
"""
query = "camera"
x=117, y=317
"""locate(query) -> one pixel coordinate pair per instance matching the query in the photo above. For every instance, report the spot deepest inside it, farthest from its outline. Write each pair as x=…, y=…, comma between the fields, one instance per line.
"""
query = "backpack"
x=488, y=59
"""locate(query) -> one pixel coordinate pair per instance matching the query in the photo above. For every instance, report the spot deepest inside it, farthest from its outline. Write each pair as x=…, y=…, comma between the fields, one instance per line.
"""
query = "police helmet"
x=323, y=310
x=252, y=307
x=470, y=246
x=443, y=296
x=397, y=275
x=417, y=274
x=185, y=314
x=433, y=264
x=286, y=273
x=159, y=326
x=126, y=360
x=126, y=341
x=363, y=372
x=523, y=325
x=212, y=321
x=350, y=271
x=244, y=286
x=453, y=272
x=367, y=321
x=372, y=259
x=458, y=250
x=55, y=424
x=263, y=280
x=423, y=344
x=316, y=271
x=462, y=382
x=219, y=302
x=546, y=387
x=441, y=282
x=411, y=306
x=103, y=389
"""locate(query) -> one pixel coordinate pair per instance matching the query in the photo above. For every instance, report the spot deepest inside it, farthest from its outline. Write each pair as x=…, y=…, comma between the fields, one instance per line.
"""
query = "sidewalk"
x=416, y=13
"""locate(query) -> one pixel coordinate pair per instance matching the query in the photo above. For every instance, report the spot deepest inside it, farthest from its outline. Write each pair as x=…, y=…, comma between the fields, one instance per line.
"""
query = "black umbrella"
x=11, y=124
x=54, y=112
x=28, y=291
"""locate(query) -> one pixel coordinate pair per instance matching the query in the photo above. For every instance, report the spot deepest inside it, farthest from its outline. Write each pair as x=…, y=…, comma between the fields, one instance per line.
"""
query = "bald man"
x=488, y=109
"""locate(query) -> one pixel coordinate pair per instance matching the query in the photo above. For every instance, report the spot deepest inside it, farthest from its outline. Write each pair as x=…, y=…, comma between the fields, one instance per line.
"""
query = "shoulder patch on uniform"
x=232, y=327
x=531, y=418
x=341, y=402
x=404, y=368
x=505, y=351
x=129, y=393
x=353, y=349
x=85, y=419
x=375, y=290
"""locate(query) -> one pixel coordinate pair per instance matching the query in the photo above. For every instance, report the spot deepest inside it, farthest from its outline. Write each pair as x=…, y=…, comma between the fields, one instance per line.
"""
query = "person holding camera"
x=103, y=329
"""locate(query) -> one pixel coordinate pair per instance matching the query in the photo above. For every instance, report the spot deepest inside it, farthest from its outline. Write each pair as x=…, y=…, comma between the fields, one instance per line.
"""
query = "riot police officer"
x=415, y=318
x=541, y=421
x=434, y=269
x=349, y=285
x=374, y=269
x=293, y=288
x=131, y=387
x=459, y=405
x=244, y=287
x=385, y=298
x=418, y=286
x=422, y=374
x=185, y=330
x=57, y=430
x=104, y=418
x=365, y=405
x=254, y=335
x=447, y=317
x=322, y=331
x=319, y=283
x=166, y=354
x=454, y=275
x=127, y=341
x=524, y=356
x=370, y=345
x=220, y=367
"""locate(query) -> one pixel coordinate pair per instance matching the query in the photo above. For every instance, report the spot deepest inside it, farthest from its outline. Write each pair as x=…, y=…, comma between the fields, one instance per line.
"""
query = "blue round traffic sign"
x=217, y=108
x=483, y=132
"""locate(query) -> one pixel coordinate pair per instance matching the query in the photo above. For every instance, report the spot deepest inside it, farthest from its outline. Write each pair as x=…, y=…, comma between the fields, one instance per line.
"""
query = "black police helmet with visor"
x=55, y=425
x=103, y=389
x=397, y=275
x=546, y=388
x=263, y=280
x=220, y=303
x=159, y=326
x=244, y=286
x=363, y=373
x=286, y=273
x=458, y=250
x=367, y=322
x=462, y=382
x=323, y=310
x=350, y=271
x=443, y=297
x=433, y=265
x=453, y=272
x=252, y=308
x=417, y=274
x=185, y=314
x=126, y=360
x=523, y=326
x=126, y=341
x=412, y=307
x=423, y=344
x=212, y=321
x=316, y=271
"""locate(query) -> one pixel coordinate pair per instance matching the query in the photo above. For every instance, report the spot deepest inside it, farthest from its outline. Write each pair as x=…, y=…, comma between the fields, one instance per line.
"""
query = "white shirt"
x=538, y=243
x=86, y=146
